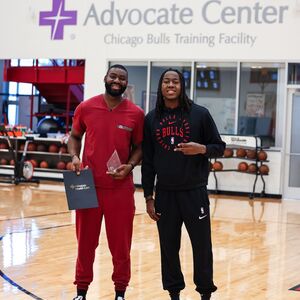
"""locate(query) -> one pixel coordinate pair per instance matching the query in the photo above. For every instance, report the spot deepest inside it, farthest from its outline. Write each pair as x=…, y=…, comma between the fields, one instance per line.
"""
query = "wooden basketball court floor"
x=256, y=249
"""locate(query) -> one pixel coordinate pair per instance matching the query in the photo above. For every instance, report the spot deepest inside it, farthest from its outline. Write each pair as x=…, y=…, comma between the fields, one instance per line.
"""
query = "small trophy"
x=113, y=163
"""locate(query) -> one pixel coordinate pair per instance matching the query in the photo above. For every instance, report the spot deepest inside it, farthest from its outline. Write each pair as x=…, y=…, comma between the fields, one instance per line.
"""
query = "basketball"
x=34, y=163
x=3, y=161
x=3, y=146
x=240, y=152
x=63, y=149
x=217, y=166
x=61, y=165
x=262, y=155
x=44, y=164
x=228, y=152
x=69, y=166
x=53, y=148
x=251, y=154
x=31, y=147
x=243, y=166
x=264, y=169
x=42, y=148
x=252, y=168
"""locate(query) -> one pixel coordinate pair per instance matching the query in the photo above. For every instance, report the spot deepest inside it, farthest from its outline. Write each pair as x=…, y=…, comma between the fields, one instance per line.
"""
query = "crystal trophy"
x=114, y=162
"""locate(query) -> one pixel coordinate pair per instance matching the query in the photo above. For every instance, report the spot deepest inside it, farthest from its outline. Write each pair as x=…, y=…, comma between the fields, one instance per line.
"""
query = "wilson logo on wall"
x=57, y=18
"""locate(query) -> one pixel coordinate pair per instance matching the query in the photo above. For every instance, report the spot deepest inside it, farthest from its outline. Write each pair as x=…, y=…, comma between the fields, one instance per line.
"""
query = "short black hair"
x=117, y=66
x=184, y=102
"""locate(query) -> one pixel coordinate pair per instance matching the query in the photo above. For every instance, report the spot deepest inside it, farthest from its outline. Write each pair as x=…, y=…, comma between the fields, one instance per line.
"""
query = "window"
x=294, y=73
x=215, y=89
x=137, y=82
x=12, y=103
x=250, y=104
x=258, y=101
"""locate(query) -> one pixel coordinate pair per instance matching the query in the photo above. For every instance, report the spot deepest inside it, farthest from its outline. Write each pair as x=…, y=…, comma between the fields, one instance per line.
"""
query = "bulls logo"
x=171, y=131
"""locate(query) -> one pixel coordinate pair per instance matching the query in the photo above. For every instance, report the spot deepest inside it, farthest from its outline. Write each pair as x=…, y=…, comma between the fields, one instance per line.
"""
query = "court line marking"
x=9, y=280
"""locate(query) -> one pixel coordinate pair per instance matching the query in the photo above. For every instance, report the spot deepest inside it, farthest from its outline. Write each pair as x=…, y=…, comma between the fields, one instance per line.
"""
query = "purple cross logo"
x=58, y=18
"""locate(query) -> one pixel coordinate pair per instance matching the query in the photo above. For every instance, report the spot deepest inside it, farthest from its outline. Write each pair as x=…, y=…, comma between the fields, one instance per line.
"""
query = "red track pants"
x=117, y=207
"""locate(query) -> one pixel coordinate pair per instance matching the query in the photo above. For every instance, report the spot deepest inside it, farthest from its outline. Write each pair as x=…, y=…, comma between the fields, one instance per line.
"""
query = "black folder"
x=80, y=189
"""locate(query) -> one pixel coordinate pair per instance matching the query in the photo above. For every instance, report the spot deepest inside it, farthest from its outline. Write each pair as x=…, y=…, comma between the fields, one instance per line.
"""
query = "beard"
x=113, y=92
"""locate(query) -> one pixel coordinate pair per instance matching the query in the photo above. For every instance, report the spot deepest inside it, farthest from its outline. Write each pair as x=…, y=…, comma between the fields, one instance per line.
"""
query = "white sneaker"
x=120, y=298
x=79, y=298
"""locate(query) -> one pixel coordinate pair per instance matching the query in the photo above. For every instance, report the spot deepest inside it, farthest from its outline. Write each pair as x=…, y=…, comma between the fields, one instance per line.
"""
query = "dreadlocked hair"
x=184, y=102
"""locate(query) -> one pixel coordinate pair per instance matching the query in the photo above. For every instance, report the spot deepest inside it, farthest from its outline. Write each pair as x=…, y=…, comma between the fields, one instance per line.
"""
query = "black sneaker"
x=79, y=298
x=205, y=296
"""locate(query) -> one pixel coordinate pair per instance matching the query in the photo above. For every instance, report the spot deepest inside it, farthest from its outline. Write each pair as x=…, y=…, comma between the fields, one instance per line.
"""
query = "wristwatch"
x=132, y=166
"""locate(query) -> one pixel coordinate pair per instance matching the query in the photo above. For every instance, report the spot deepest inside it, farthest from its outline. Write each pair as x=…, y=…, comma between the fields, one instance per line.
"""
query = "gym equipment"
x=23, y=169
x=47, y=125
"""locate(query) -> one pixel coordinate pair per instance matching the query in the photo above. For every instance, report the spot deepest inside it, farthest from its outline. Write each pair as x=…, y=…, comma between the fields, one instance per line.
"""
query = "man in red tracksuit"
x=109, y=123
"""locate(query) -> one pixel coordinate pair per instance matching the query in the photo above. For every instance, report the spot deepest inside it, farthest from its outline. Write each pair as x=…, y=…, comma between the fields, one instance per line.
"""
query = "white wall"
x=271, y=33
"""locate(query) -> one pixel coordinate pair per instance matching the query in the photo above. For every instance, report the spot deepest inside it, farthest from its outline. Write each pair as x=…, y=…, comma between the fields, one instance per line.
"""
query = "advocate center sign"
x=209, y=13
x=212, y=26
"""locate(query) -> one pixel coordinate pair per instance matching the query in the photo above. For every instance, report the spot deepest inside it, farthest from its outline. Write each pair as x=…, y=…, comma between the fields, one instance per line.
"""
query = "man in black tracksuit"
x=179, y=137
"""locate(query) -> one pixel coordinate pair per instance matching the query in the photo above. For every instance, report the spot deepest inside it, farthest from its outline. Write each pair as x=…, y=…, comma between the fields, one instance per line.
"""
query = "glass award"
x=114, y=162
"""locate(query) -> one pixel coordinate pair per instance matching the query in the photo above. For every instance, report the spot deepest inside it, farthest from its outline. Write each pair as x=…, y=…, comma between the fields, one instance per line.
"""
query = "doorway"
x=292, y=152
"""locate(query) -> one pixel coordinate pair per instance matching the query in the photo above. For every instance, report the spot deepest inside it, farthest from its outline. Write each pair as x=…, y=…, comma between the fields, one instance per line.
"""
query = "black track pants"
x=190, y=207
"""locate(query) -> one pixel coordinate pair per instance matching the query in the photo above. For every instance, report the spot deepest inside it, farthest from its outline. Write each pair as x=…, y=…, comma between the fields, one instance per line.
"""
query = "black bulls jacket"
x=174, y=170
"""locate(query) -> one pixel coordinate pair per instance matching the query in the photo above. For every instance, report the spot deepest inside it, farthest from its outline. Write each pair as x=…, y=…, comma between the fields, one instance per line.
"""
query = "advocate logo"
x=57, y=18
